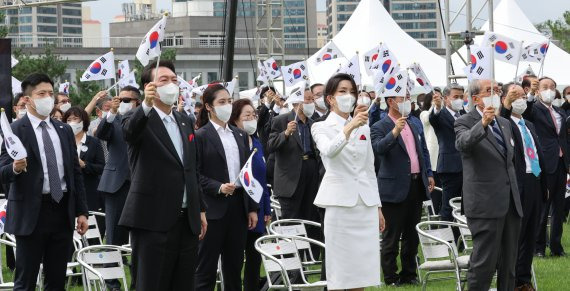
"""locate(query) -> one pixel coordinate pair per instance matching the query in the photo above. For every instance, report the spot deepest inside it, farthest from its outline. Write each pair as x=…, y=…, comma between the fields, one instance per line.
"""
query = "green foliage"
x=4, y=29
x=48, y=63
x=81, y=93
x=559, y=29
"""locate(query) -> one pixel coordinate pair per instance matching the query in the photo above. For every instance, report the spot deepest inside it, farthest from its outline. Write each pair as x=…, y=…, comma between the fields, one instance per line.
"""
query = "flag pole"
x=492, y=68
x=118, y=83
x=541, y=71
x=518, y=62
x=252, y=153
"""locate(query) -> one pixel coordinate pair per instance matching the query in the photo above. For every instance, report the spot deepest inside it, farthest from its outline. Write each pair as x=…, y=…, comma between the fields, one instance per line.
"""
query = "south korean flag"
x=295, y=73
x=352, y=68
x=481, y=63
x=101, y=69
x=396, y=85
x=506, y=49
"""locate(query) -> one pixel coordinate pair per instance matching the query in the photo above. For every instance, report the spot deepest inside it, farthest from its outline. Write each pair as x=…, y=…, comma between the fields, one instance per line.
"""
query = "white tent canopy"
x=512, y=22
x=370, y=25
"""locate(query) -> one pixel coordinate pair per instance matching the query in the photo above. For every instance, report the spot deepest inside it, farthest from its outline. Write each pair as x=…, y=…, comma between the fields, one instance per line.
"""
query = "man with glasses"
x=62, y=102
x=320, y=106
x=19, y=107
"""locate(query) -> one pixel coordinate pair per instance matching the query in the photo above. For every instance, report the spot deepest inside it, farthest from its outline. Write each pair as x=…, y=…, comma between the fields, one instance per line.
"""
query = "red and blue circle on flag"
x=501, y=47
x=420, y=81
x=246, y=179
x=153, y=38
x=391, y=83
x=374, y=57
x=327, y=57
x=544, y=48
x=473, y=62
x=297, y=73
x=3, y=216
x=95, y=68
x=274, y=66
x=386, y=65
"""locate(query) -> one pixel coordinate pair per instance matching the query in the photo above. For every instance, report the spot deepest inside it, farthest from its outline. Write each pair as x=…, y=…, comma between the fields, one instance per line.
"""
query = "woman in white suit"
x=349, y=190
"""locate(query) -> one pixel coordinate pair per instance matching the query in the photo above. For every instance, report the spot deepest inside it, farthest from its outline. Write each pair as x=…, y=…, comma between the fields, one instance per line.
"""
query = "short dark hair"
x=136, y=91
x=265, y=89
x=547, y=78
x=146, y=75
x=565, y=88
x=79, y=112
x=55, y=110
x=32, y=80
x=315, y=85
x=526, y=81
x=237, y=107
x=17, y=98
x=334, y=82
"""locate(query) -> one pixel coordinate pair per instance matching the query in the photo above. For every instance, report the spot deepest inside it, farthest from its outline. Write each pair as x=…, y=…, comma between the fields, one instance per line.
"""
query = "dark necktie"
x=51, y=161
x=498, y=136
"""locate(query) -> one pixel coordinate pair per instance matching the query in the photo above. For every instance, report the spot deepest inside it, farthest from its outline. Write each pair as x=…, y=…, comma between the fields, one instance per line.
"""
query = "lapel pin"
x=61, y=126
x=183, y=124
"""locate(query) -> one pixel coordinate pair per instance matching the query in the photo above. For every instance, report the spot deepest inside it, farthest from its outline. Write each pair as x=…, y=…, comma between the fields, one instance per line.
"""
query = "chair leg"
x=534, y=278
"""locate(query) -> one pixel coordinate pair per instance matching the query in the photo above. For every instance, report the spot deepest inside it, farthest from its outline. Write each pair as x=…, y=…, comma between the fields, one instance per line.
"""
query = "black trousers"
x=50, y=244
x=165, y=260
x=225, y=237
x=532, y=200
x=401, y=219
x=494, y=249
x=114, y=204
x=556, y=184
x=252, y=263
x=451, y=184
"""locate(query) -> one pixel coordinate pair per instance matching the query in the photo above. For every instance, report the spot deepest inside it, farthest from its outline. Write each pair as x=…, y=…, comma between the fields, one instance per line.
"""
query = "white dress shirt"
x=526, y=159
x=230, y=149
x=81, y=144
x=56, y=146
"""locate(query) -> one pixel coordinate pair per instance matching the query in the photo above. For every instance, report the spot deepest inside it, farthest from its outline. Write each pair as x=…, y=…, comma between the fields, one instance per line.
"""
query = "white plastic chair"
x=440, y=252
x=465, y=233
x=100, y=263
x=279, y=254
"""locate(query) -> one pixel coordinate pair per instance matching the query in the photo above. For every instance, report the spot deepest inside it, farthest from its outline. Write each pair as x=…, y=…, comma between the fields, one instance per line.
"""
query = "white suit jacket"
x=349, y=164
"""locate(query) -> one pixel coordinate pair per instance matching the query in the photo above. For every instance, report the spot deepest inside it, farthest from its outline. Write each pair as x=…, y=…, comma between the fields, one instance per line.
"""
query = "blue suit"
x=449, y=166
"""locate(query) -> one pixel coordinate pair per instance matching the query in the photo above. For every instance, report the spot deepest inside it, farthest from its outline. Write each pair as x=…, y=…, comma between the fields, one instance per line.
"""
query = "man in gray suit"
x=490, y=194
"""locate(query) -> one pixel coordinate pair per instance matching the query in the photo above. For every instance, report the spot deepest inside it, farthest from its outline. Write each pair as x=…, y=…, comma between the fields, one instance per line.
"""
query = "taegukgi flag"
x=329, y=52
x=129, y=80
x=101, y=69
x=14, y=146
x=295, y=73
x=535, y=52
x=506, y=49
x=124, y=69
x=421, y=77
x=251, y=186
x=396, y=85
x=352, y=68
x=230, y=86
x=481, y=63
x=64, y=88
x=370, y=57
x=272, y=68
x=150, y=45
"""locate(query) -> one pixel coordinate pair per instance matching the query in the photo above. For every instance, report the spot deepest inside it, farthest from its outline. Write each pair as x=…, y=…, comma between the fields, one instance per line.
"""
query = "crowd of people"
x=166, y=178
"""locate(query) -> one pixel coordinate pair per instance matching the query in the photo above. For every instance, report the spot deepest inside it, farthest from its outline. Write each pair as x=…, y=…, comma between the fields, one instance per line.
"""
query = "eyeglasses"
x=127, y=100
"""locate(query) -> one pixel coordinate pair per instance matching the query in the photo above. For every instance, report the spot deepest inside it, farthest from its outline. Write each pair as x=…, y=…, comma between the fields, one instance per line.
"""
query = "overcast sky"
x=105, y=10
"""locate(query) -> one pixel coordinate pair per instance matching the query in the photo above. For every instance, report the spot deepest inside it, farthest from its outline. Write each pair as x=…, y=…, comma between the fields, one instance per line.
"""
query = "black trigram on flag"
x=302, y=67
x=104, y=72
x=367, y=59
x=290, y=80
x=511, y=45
x=87, y=76
x=11, y=141
x=290, y=71
x=14, y=153
x=398, y=89
x=480, y=55
x=480, y=70
x=103, y=60
x=350, y=65
x=147, y=51
x=508, y=57
x=493, y=38
x=329, y=50
x=399, y=77
x=386, y=53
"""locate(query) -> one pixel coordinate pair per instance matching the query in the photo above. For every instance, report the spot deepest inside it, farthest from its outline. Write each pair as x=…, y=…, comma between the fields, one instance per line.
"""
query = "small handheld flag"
x=506, y=49
x=352, y=68
x=124, y=69
x=64, y=88
x=329, y=52
x=370, y=57
x=129, y=80
x=3, y=212
x=230, y=86
x=481, y=63
x=272, y=69
x=150, y=45
x=297, y=94
x=535, y=52
x=251, y=186
x=396, y=85
x=295, y=73
x=386, y=61
x=421, y=77
x=14, y=146
x=101, y=69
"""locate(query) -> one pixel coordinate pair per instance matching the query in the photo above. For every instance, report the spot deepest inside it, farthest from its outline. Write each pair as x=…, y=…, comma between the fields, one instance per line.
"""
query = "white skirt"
x=352, y=246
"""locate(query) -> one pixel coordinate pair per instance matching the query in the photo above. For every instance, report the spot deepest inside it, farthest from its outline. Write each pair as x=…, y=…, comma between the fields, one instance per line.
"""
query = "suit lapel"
x=241, y=146
x=490, y=136
x=183, y=129
x=29, y=137
x=160, y=130
x=296, y=136
x=399, y=138
x=65, y=146
x=87, y=144
x=448, y=116
x=215, y=139
x=546, y=114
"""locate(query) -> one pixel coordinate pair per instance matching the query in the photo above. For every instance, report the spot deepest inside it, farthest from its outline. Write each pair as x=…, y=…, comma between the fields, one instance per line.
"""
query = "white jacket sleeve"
x=328, y=147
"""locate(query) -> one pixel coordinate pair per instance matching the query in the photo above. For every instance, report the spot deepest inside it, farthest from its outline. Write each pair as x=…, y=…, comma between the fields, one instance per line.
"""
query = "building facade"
x=420, y=18
x=40, y=26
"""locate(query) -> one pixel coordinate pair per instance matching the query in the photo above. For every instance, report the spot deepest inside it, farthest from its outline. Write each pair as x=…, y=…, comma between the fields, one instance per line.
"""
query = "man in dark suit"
x=116, y=178
x=164, y=209
x=529, y=162
x=449, y=170
x=404, y=181
x=491, y=197
x=46, y=190
x=296, y=171
x=550, y=123
x=321, y=109
x=264, y=116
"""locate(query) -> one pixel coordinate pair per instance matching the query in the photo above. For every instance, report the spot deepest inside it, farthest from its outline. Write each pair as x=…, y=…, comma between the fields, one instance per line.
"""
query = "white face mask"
x=284, y=110
x=567, y=98
x=44, y=106
x=168, y=93
x=223, y=112
x=405, y=108
x=250, y=126
x=364, y=101
x=457, y=104
x=493, y=101
x=558, y=102
x=309, y=109
x=125, y=107
x=519, y=106
x=320, y=102
x=77, y=127
x=345, y=102
x=547, y=96
x=65, y=107
x=22, y=112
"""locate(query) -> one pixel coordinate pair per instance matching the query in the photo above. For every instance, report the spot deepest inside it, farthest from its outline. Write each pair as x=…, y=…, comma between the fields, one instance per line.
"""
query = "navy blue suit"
x=555, y=168
x=449, y=166
x=401, y=194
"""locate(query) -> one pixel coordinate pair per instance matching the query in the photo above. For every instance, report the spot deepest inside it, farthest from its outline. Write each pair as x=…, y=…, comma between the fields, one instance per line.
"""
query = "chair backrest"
x=435, y=249
x=275, y=207
x=464, y=232
x=298, y=228
x=100, y=263
x=93, y=235
x=455, y=202
x=430, y=211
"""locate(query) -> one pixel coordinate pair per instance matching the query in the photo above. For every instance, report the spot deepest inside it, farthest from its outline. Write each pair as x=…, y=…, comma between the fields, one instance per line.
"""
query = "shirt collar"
x=339, y=119
x=84, y=138
x=218, y=128
x=451, y=111
x=516, y=119
x=36, y=121
x=162, y=115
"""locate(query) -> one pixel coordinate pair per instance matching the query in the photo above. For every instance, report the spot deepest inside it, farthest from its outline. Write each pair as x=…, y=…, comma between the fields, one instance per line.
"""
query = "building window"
x=417, y=25
x=72, y=30
x=72, y=21
x=243, y=81
x=71, y=12
x=409, y=16
x=45, y=28
x=426, y=34
x=47, y=19
x=46, y=10
x=212, y=76
x=342, y=17
x=413, y=6
x=211, y=41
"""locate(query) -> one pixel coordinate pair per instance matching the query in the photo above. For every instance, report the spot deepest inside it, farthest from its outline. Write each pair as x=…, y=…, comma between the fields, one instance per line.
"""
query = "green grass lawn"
x=552, y=273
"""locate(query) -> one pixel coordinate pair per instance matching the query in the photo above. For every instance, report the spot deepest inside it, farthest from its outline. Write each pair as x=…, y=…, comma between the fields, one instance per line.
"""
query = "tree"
x=81, y=93
x=559, y=30
x=4, y=29
x=48, y=63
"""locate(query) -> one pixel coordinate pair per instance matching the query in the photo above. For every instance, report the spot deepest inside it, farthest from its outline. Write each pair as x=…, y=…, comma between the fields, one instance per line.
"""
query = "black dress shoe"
x=413, y=281
x=540, y=254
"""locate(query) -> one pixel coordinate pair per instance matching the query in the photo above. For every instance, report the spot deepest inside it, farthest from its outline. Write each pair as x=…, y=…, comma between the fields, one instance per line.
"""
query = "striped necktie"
x=498, y=136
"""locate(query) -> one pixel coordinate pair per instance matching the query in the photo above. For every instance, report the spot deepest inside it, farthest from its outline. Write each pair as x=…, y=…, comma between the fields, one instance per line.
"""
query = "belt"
x=183, y=212
x=415, y=176
x=306, y=157
x=47, y=197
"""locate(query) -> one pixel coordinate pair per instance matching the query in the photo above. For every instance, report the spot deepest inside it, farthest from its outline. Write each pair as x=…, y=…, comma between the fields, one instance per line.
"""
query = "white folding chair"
x=298, y=227
x=429, y=212
x=100, y=263
x=275, y=207
x=464, y=232
x=455, y=203
x=440, y=252
x=280, y=255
